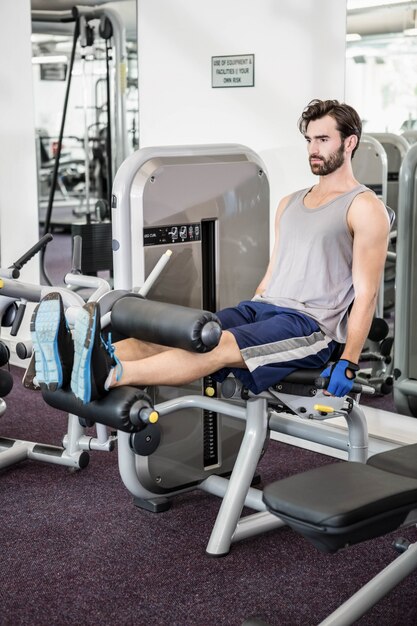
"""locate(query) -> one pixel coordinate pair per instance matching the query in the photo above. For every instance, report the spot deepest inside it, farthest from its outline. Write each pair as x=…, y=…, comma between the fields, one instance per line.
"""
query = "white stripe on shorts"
x=284, y=351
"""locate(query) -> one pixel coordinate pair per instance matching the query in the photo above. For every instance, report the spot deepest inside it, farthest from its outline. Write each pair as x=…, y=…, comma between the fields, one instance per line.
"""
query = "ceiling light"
x=49, y=59
x=368, y=4
x=353, y=37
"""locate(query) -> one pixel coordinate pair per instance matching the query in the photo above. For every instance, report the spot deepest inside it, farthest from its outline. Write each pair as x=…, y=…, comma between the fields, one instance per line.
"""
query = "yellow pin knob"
x=153, y=417
x=1, y=283
x=322, y=408
x=209, y=391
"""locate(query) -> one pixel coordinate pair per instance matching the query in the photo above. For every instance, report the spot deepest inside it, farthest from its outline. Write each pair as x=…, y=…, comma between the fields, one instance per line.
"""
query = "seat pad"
x=342, y=503
x=402, y=460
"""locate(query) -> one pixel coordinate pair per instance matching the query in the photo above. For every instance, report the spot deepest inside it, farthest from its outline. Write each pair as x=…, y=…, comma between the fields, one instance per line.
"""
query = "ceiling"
x=65, y=5
x=368, y=18
x=46, y=12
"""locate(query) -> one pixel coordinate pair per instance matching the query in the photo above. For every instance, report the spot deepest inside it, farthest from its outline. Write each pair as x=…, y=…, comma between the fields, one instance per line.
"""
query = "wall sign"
x=53, y=71
x=237, y=70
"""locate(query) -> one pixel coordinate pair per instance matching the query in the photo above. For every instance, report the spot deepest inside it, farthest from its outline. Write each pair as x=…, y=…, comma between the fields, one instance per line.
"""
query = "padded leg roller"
x=166, y=324
x=128, y=409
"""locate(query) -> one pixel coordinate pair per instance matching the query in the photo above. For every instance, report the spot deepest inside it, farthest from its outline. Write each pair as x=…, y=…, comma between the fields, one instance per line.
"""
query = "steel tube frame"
x=236, y=491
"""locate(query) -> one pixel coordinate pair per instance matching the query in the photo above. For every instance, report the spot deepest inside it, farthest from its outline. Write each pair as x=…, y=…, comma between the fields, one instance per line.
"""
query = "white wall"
x=19, y=223
x=18, y=185
x=299, y=48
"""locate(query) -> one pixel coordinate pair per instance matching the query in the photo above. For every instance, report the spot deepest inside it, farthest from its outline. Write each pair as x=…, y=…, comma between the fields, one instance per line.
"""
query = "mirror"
x=86, y=113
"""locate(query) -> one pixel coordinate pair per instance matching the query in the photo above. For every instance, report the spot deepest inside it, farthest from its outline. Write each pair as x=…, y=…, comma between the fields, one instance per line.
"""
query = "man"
x=329, y=252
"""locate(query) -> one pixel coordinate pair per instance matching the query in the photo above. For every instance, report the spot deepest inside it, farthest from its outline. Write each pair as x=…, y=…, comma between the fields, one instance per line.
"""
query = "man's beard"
x=329, y=165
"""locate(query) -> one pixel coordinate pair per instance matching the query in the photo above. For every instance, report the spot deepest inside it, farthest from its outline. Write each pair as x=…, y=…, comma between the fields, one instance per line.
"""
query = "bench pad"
x=342, y=503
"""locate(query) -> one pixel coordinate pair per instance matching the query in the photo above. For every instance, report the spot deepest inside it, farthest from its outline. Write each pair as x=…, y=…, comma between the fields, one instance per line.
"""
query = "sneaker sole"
x=44, y=327
x=83, y=347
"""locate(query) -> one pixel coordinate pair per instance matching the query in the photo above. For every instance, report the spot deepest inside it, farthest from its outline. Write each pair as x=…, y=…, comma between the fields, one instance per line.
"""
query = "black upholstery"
x=401, y=461
x=166, y=324
x=157, y=322
x=344, y=503
x=113, y=409
x=303, y=376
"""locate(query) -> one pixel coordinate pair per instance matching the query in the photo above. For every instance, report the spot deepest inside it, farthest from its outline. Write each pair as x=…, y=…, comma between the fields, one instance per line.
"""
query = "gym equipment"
x=157, y=461
x=405, y=351
x=335, y=506
x=370, y=167
x=14, y=296
x=410, y=136
x=378, y=350
x=209, y=204
x=97, y=169
x=57, y=22
x=396, y=147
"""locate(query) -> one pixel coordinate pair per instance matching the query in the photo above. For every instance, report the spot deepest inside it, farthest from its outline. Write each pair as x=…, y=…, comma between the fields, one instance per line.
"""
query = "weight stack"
x=96, y=254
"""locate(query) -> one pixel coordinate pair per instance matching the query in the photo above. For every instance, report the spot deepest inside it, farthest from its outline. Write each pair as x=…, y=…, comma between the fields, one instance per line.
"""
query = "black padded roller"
x=113, y=409
x=166, y=324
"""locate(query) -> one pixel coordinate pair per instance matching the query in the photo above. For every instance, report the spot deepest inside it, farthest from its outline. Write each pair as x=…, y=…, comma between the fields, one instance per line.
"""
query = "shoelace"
x=111, y=351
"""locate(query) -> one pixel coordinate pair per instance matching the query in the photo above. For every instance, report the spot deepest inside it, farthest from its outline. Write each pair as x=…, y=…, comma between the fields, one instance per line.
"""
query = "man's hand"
x=342, y=376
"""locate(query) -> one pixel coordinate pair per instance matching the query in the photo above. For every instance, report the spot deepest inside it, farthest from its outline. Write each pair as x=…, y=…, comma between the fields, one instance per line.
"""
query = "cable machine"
x=107, y=148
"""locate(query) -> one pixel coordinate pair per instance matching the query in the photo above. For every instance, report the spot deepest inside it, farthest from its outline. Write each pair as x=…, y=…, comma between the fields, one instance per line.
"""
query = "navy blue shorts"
x=273, y=342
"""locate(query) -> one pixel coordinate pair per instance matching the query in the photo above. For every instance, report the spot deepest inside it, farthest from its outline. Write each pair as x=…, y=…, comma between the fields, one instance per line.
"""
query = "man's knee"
x=230, y=351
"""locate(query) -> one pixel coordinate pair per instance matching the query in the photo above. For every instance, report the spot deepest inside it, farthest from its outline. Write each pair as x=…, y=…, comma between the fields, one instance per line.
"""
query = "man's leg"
x=132, y=349
x=174, y=366
x=97, y=366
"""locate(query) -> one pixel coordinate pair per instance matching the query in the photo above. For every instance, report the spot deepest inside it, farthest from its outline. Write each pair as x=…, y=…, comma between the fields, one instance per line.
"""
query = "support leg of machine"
x=358, y=435
x=241, y=477
x=375, y=590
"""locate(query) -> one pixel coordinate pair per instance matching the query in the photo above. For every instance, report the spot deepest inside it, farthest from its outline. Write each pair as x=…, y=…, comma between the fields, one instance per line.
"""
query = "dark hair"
x=347, y=119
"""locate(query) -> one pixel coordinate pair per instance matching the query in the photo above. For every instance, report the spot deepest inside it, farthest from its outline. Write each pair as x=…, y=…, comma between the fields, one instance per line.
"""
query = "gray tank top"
x=313, y=271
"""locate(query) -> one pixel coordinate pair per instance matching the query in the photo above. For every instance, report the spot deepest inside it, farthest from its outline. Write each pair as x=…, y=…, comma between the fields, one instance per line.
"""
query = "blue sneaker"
x=52, y=343
x=93, y=358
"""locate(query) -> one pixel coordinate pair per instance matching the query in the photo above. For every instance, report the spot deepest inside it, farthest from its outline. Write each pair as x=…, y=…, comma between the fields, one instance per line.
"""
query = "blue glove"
x=339, y=384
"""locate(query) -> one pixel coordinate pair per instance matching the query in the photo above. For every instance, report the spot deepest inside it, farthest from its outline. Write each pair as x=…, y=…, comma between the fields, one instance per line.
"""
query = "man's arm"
x=369, y=223
x=265, y=280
